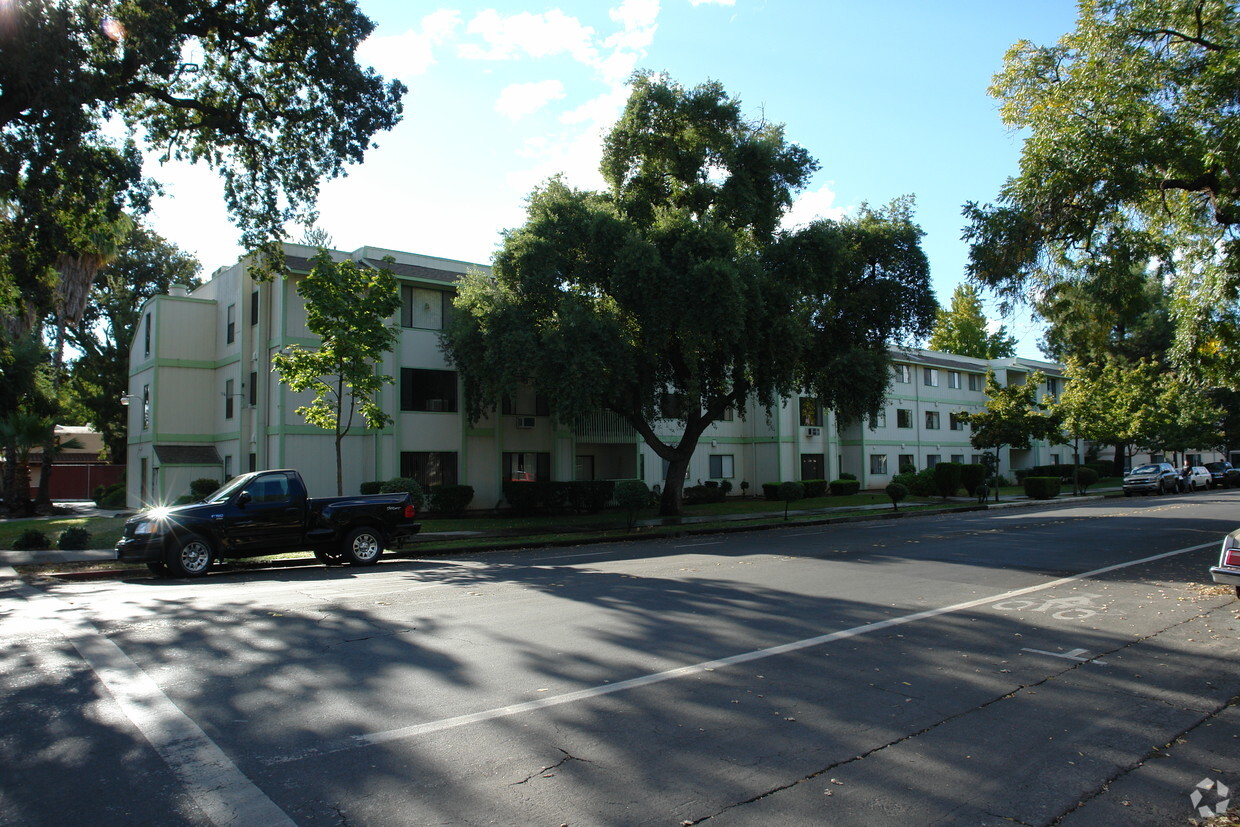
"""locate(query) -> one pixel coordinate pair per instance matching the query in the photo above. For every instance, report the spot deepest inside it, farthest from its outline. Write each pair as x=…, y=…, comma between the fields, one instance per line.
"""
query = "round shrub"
x=897, y=491
x=1042, y=488
x=403, y=485
x=632, y=496
x=844, y=487
x=201, y=487
x=370, y=487
x=1085, y=477
x=73, y=539
x=31, y=539
x=451, y=499
x=115, y=497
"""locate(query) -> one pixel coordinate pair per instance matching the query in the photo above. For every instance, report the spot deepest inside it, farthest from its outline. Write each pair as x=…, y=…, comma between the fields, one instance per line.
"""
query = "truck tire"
x=189, y=556
x=362, y=546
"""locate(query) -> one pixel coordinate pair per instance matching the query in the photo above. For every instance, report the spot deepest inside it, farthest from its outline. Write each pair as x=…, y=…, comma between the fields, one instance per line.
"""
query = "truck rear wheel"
x=362, y=546
x=189, y=556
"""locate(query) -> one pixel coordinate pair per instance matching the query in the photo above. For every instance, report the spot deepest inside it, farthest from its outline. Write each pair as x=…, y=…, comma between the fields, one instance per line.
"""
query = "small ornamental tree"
x=347, y=307
x=1013, y=418
x=790, y=492
x=632, y=496
x=897, y=491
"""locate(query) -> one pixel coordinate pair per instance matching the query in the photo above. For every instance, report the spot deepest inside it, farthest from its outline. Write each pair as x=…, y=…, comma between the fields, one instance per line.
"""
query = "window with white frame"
x=932, y=460
x=932, y=420
x=904, y=374
x=878, y=420
x=955, y=422
x=878, y=463
x=930, y=376
x=906, y=463
x=953, y=379
x=904, y=418
x=976, y=382
x=722, y=467
x=958, y=459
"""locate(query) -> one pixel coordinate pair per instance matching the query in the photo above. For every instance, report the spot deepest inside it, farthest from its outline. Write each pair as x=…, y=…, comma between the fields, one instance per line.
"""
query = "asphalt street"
x=1069, y=664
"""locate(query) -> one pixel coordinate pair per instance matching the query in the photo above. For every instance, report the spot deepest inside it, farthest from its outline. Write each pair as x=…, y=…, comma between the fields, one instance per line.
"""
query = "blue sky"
x=888, y=95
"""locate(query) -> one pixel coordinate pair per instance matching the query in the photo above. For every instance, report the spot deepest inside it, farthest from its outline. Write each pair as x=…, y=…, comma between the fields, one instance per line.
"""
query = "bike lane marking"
x=224, y=793
x=429, y=727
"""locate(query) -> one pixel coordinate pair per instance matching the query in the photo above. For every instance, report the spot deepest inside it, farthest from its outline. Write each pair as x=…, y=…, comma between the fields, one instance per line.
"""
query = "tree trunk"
x=674, y=485
x=49, y=444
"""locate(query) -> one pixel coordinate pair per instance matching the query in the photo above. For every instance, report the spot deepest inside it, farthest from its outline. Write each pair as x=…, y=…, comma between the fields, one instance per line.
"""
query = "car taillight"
x=1231, y=558
x=410, y=512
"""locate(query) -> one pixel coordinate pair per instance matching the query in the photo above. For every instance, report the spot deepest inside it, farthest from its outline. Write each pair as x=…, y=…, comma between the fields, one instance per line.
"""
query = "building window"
x=228, y=399
x=932, y=460
x=904, y=418
x=907, y=464
x=146, y=335
x=227, y=467
x=423, y=308
x=729, y=414
x=1052, y=385
x=252, y=462
x=932, y=420
x=428, y=390
x=230, y=334
x=958, y=459
x=146, y=407
x=930, y=376
x=956, y=423
x=527, y=403
x=878, y=420
x=975, y=382
x=528, y=466
x=429, y=467
x=904, y=374
x=253, y=389
x=811, y=412
x=953, y=379
x=1054, y=459
x=721, y=467
x=878, y=463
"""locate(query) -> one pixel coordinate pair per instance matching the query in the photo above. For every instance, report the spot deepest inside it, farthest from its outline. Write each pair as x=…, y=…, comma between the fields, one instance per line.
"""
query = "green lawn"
x=104, y=531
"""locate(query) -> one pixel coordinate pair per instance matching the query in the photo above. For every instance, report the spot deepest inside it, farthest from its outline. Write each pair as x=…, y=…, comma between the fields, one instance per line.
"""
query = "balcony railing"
x=604, y=427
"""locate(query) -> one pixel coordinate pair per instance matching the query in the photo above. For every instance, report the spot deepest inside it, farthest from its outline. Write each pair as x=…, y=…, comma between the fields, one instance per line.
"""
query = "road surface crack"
x=547, y=772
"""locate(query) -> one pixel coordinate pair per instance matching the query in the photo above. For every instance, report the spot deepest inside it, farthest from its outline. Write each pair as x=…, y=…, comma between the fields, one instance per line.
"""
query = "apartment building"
x=204, y=402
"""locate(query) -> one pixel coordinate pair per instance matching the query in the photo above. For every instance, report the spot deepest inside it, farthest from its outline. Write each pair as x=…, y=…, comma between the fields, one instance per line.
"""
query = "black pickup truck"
x=266, y=512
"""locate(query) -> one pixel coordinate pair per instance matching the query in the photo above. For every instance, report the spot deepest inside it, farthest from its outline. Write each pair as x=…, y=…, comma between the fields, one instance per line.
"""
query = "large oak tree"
x=1132, y=156
x=677, y=282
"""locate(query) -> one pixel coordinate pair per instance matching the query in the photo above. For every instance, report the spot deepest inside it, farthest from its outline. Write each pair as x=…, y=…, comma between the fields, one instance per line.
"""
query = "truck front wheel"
x=362, y=546
x=189, y=556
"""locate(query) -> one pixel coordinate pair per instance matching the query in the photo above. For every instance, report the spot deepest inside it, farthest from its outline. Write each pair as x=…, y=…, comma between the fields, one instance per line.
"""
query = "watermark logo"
x=1208, y=790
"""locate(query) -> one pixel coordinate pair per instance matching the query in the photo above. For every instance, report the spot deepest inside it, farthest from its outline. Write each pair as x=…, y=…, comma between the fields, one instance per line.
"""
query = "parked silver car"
x=1153, y=477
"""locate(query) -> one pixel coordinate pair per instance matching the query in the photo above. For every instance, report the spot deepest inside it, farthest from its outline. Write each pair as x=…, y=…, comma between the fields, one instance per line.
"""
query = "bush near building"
x=842, y=487
x=1042, y=488
x=947, y=479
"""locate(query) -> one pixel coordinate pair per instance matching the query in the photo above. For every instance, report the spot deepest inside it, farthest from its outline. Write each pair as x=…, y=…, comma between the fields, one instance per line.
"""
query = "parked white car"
x=1197, y=478
x=1227, y=572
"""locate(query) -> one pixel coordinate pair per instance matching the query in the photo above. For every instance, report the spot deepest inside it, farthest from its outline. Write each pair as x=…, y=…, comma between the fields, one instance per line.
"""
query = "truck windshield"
x=229, y=488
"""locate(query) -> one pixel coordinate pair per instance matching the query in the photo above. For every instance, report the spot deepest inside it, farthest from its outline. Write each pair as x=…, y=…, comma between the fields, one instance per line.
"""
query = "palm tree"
x=20, y=433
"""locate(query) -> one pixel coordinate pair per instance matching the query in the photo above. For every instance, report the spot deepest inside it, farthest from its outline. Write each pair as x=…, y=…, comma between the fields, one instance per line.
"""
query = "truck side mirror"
x=243, y=498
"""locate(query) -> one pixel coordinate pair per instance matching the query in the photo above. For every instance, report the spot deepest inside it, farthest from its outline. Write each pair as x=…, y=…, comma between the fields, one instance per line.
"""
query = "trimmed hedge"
x=201, y=487
x=770, y=492
x=371, y=487
x=450, y=499
x=1042, y=488
x=972, y=474
x=947, y=479
x=589, y=496
x=843, y=487
x=698, y=494
x=815, y=488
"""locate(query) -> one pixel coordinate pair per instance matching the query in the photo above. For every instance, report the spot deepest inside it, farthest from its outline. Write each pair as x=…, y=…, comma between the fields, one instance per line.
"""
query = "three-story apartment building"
x=204, y=402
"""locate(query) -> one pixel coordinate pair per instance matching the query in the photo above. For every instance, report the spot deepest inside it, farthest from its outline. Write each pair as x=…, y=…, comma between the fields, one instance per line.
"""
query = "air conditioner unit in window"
x=525, y=422
x=436, y=404
x=813, y=431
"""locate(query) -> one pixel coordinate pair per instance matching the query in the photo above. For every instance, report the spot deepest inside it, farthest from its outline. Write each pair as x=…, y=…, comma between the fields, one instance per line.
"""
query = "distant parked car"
x=1152, y=478
x=1197, y=477
x=1223, y=474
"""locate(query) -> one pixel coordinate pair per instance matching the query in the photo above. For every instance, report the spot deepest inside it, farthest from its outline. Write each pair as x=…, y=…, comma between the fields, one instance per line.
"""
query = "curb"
x=757, y=523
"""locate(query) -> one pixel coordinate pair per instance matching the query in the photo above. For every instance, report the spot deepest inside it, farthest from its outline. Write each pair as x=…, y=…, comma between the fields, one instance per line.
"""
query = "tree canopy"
x=961, y=328
x=348, y=307
x=676, y=283
x=1132, y=156
x=268, y=93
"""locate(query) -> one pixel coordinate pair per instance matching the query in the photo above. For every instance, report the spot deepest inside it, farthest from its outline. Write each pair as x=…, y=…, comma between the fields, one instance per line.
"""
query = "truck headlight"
x=148, y=528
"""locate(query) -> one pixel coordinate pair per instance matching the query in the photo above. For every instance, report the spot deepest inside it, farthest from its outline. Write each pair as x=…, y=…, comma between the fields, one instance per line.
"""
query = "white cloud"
x=410, y=53
x=813, y=205
x=636, y=14
x=712, y=2
x=522, y=99
x=536, y=35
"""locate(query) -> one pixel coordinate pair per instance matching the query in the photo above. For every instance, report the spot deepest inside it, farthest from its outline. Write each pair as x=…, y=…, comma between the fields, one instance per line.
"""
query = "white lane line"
x=222, y=791
x=429, y=727
x=699, y=545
